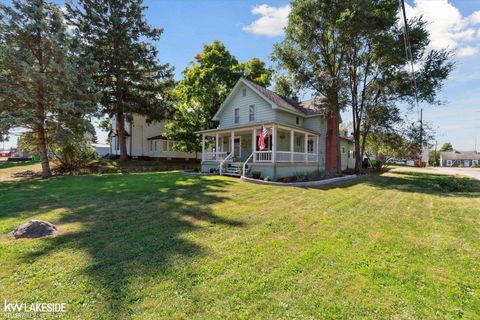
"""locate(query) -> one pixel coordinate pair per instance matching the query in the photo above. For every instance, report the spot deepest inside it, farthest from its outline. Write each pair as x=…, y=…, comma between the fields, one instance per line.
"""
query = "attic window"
x=244, y=92
x=251, y=113
x=297, y=120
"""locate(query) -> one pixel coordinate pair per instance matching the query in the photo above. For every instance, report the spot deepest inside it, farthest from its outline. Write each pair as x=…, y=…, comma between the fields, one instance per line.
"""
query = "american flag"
x=263, y=136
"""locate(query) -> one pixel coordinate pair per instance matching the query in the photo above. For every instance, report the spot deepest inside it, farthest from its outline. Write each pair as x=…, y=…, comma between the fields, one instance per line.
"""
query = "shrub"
x=301, y=176
x=256, y=174
x=455, y=185
x=72, y=157
x=267, y=178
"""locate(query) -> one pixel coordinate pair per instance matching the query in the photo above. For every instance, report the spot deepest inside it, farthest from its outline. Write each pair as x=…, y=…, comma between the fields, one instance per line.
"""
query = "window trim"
x=251, y=112
x=236, y=120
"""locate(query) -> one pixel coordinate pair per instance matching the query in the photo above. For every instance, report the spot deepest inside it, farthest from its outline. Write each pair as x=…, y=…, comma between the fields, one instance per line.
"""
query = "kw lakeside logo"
x=29, y=309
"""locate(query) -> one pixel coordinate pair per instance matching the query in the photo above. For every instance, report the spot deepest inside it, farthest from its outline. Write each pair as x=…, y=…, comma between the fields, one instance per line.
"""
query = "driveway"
x=469, y=172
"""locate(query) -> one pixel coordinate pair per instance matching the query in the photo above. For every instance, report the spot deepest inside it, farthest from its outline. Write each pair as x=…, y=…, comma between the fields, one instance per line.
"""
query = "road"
x=467, y=172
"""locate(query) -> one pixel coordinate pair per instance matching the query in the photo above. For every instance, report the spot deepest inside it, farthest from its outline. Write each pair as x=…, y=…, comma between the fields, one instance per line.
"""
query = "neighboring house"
x=146, y=141
x=101, y=149
x=459, y=158
x=347, y=151
x=5, y=153
x=296, y=140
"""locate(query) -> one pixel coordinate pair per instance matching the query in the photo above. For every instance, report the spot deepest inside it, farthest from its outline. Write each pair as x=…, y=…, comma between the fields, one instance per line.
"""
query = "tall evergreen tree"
x=45, y=83
x=205, y=85
x=130, y=76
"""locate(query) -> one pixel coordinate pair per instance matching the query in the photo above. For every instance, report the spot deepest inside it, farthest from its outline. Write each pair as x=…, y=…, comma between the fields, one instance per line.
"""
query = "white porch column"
x=254, y=143
x=274, y=142
x=203, y=146
x=216, y=146
x=291, y=144
x=232, y=144
x=306, y=147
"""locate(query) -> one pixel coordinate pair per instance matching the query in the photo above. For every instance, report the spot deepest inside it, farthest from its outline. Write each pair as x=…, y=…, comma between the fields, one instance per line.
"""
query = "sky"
x=250, y=28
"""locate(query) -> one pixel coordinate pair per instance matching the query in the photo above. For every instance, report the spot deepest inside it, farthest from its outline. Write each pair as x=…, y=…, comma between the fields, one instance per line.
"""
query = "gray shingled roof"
x=307, y=107
x=460, y=155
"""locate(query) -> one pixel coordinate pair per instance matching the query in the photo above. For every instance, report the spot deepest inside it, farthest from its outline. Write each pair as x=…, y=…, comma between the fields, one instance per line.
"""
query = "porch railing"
x=222, y=163
x=263, y=156
x=287, y=156
x=214, y=156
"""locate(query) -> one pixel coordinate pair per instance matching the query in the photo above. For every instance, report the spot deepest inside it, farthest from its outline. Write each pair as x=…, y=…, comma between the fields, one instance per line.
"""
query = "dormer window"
x=236, y=115
x=244, y=92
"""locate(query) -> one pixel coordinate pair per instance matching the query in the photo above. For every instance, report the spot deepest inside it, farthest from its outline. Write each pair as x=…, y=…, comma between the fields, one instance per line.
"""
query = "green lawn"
x=167, y=245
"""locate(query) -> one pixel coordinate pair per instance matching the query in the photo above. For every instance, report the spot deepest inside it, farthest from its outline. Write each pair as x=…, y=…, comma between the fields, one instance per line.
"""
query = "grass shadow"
x=133, y=225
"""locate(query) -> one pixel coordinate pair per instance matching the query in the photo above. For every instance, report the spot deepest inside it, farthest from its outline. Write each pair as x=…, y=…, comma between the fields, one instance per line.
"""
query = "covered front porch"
x=284, y=144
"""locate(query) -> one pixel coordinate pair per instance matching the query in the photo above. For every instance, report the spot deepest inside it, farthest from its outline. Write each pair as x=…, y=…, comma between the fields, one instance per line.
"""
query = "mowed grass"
x=171, y=246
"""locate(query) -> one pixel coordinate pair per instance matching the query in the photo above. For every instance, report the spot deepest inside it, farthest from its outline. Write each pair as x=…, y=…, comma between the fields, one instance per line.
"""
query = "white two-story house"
x=147, y=141
x=295, y=142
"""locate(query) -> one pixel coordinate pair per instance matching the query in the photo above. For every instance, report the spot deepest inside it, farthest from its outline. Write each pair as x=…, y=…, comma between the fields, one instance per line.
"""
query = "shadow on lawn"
x=133, y=226
x=416, y=182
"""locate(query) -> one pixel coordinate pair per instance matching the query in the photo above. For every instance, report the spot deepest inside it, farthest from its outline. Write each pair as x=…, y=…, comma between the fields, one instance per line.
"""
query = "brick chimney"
x=331, y=163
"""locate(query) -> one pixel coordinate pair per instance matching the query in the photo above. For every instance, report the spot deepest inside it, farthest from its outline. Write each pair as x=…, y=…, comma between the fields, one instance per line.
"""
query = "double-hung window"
x=236, y=115
x=251, y=113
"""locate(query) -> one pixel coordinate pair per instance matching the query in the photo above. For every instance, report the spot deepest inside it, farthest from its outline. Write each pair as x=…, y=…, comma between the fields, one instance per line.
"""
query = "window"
x=151, y=145
x=164, y=145
x=156, y=145
x=310, y=146
x=236, y=115
x=251, y=113
x=343, y=149
x=297, y=120
x=298, y=141
x=244, y=92
x=449, y=163
x=474, y=162
x=170, y=145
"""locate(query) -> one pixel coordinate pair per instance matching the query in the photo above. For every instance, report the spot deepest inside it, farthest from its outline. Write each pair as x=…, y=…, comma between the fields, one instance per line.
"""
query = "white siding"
x=263, y=109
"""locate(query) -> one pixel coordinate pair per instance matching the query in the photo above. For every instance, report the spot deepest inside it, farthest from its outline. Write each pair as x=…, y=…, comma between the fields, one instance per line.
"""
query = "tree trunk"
x=122, y=139
x=333, y=156
x=42, y=149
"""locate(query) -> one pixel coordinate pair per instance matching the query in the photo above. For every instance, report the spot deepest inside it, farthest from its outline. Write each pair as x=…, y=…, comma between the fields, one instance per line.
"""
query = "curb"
x=301, y=184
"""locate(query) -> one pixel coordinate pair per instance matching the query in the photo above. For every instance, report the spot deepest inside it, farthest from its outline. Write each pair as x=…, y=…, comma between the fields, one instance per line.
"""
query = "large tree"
x=377, y=68
x=205, y=85
x=313, y=53
x=45, y=83
x=130, y=76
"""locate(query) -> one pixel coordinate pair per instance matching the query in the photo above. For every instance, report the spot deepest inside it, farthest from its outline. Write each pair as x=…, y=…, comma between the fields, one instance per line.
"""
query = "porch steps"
x=232, y=170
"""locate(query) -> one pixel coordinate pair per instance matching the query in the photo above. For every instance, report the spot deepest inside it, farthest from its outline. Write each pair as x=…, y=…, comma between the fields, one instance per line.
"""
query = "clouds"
x=448, y=27
x=271, y=22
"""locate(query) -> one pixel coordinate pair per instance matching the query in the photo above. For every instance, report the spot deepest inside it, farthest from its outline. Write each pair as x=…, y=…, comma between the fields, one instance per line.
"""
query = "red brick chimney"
x=331, y=163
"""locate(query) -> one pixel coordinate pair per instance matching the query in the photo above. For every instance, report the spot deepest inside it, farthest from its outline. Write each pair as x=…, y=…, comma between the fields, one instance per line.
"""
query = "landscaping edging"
x=301, y=184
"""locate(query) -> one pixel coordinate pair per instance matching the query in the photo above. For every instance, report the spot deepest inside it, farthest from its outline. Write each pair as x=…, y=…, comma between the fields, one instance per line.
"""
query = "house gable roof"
x=311, y=107
x=460, y=155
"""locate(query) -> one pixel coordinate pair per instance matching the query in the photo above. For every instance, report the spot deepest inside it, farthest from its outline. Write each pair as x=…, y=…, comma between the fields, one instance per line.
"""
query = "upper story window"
x=251, y=113
x=236, y=115
x=297, y=120
x=244, y=92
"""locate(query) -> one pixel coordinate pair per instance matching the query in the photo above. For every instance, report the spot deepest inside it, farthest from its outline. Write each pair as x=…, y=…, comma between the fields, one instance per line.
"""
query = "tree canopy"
x=130, y=77
x=45, y=77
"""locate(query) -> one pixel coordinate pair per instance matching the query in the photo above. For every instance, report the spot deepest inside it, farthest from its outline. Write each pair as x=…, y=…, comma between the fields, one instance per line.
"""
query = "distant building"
x=459, y=158
x=101, y=149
